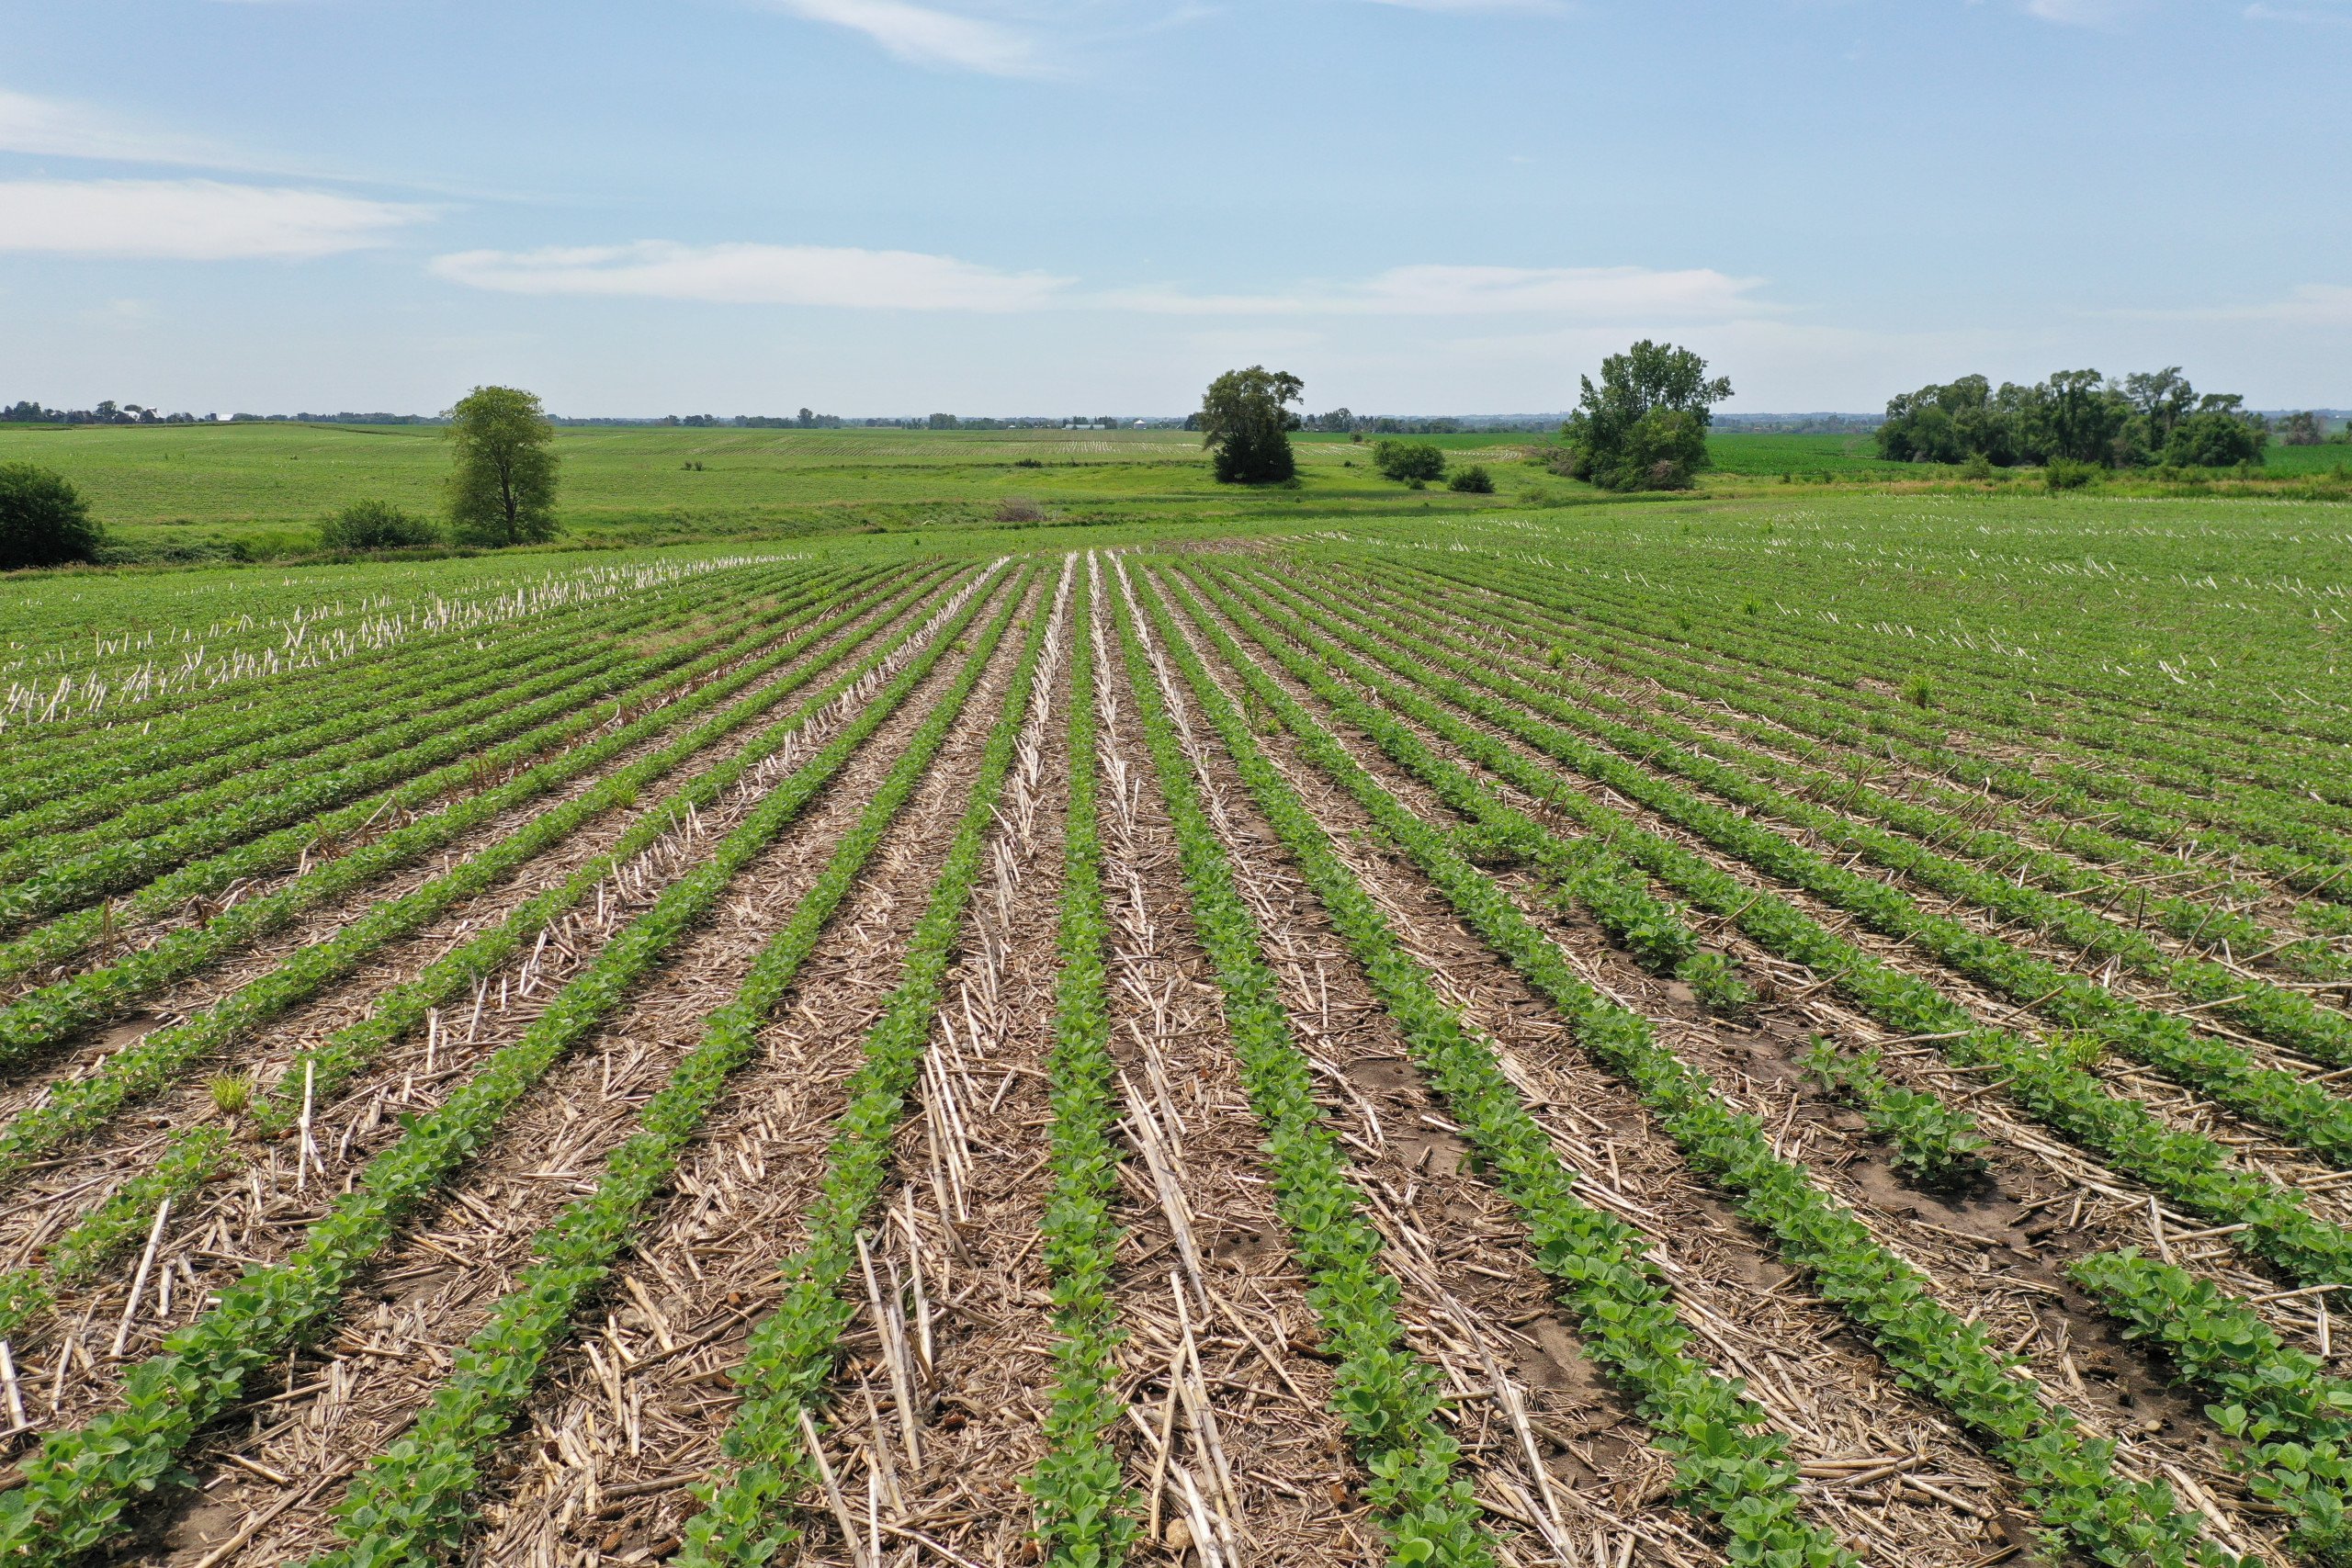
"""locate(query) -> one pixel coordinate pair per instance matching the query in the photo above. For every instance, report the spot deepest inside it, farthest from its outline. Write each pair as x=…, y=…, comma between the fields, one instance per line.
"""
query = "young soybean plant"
x=1935, y=1146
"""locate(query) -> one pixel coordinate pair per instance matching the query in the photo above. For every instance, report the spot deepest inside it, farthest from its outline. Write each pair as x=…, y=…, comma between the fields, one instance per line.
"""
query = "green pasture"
x=171, y=492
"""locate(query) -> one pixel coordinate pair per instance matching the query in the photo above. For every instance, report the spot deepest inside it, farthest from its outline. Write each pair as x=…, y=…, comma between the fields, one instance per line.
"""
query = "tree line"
x=2077, y=417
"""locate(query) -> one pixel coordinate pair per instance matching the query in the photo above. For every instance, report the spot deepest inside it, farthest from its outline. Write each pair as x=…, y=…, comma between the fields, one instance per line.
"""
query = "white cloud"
x=850, y=279
x=190, y=219
x=2309, y=304
x=2082, y=13
x=2299, y=14
x=841, y=276
x=927, y=36
x=55, y=128
x=1585, y=293
x=1548, y=7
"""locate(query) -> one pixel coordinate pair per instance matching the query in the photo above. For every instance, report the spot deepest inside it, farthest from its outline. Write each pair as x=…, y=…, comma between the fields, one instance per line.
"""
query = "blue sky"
x=1091, y=206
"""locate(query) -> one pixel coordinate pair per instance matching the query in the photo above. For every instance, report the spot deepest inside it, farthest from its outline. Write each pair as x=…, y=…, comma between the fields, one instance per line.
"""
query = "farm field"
x=264, y=487
x=1801, y=1029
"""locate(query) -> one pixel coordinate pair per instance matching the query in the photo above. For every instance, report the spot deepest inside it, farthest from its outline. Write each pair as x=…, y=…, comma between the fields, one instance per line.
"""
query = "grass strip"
x=80, y=1482
x=791, y=1356
x=1085, y=1509
x=410, y=1503
x=2068, y=1478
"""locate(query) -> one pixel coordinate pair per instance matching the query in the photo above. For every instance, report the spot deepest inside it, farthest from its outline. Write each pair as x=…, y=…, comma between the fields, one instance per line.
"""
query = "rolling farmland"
x=1784, y=1035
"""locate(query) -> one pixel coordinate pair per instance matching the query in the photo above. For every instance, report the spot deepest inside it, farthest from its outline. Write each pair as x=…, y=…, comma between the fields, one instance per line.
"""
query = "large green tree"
x=1645, y=427
x=43, y=520
x=502, y=490
x=1245, y=416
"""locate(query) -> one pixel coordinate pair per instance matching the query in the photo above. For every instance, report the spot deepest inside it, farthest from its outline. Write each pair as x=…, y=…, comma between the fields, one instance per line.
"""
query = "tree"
x=1409, y=462
x=502, y=490
x=2219, y=435
x=1645, y=427
x=43, y=520
x=2301, y=430
x=2163, y=398
x=1245, y=415
x=374, y=525
x=1949, y=423
x=1472, y=480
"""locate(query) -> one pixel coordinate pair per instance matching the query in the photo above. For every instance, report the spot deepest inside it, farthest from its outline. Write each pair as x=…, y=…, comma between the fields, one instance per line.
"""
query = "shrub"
x=2065, y=474
x=1472, y=480
x=2214, y=440
x=43, y=520
x=375, y=526
x=1406, y=461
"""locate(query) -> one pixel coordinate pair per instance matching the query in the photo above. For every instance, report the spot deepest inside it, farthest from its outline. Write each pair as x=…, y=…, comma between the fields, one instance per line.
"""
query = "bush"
x=1472, y=480
x=43, y=520
x=2214, y=440
x=375, y=526
x=2065, y=474
x=1406, y=461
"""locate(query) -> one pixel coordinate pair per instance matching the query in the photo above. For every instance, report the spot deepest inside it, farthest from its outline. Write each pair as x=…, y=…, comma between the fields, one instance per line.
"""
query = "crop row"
x=2191, y=1169
x=1828, y=731
x=790, y=1354
x=1385, y=1396
x=99, y=781
x=2194, y=728
x=78, y=1485
x=1084, y=1506
x=545, y=713
x=2069, y=1477
x=2216, y=1067
x=307, y=731
x=2276, y=824
x=96, y=995
x=239, y=658
x=1727, y=1464
x=169, y=1054
x=409, y=1504
x=2196, y=920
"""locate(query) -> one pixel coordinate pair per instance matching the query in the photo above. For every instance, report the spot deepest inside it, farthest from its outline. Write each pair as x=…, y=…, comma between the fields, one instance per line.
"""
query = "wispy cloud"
x=191, y=220
x=926, y=35
x=2309, y=304
x=1583, y=293
x=2082, y=13
x=1545, y=7
x=851, y=278
x=2308, y=15
x=58, y=128
x=840, y=276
